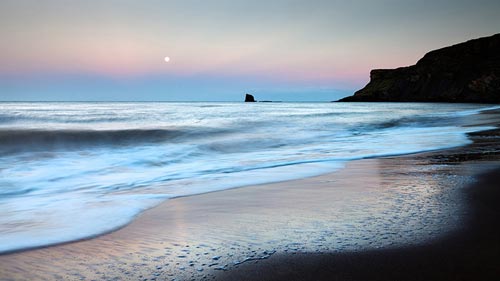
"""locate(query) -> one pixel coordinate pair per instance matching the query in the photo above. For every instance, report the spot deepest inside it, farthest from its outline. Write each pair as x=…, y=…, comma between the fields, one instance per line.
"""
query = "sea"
x=75, y=170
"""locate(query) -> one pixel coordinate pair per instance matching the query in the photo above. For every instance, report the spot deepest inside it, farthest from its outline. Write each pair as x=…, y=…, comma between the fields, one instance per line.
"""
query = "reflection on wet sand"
x=370, y=204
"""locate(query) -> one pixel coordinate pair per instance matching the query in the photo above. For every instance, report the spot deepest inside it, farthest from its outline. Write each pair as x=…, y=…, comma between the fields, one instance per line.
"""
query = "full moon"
x=167, y=59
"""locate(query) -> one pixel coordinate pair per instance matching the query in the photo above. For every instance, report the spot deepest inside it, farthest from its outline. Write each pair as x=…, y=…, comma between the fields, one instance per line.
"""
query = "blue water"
x=75, y=170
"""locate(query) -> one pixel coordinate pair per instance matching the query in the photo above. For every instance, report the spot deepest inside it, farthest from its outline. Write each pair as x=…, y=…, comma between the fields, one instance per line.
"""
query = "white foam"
x=63, y=195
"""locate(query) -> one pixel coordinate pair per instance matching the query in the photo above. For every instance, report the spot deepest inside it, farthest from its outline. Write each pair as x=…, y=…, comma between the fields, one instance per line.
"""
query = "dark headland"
x=468, y=72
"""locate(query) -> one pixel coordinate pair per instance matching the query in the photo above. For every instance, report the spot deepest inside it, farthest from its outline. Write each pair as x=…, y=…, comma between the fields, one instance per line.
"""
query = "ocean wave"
x=102, y=175
x=17, y=118
x=14, y=140
x=320, y=114
x=409, y=122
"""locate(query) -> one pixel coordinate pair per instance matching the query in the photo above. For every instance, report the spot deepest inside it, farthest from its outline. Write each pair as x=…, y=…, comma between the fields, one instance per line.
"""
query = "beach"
x=426, y=216
x=249, y=140
x=470, y=253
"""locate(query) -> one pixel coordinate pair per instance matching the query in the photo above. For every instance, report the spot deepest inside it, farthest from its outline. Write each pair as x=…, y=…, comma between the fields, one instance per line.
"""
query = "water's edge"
x=160, y=199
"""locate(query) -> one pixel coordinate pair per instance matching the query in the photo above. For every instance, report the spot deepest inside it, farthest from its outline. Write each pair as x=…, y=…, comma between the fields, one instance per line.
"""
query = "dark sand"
x=472, y=253
x=416, y=217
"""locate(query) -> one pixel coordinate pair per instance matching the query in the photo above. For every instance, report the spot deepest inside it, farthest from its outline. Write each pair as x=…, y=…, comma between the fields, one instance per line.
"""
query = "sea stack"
x=249, y=98
x=466, y=72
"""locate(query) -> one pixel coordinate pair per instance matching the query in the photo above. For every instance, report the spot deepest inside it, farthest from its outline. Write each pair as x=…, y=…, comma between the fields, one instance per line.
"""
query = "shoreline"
x=173, y=225
x=469, y=254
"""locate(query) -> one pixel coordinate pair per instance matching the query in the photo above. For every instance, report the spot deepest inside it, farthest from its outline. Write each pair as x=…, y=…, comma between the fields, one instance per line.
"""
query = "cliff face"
x=466, y=72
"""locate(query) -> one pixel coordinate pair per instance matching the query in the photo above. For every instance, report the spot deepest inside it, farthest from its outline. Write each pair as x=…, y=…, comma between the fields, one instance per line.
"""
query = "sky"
x=114, y=50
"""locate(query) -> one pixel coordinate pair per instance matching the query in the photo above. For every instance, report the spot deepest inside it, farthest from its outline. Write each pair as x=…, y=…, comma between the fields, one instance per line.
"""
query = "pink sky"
x=284, y=44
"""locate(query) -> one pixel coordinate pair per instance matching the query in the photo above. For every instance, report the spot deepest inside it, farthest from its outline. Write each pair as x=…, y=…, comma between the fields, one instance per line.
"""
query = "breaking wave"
x=68, y=165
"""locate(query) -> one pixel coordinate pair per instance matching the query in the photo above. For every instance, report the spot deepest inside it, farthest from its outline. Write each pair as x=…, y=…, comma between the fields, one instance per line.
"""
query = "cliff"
x=466, y=72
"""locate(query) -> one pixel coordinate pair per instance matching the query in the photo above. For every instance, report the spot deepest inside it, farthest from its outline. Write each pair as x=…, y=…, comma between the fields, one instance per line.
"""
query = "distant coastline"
x=468, y=72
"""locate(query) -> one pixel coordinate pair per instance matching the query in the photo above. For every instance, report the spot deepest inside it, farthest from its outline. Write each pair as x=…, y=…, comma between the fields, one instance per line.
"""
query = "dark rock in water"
x=249, y=98
x=466, y=72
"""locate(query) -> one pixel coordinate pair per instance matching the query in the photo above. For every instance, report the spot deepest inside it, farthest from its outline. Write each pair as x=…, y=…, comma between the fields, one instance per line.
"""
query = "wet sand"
x=417, y=217
x=470, y=254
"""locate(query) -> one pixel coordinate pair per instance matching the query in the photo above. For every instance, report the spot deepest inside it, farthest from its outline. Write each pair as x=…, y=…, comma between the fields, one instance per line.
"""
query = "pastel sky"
x=280, y=50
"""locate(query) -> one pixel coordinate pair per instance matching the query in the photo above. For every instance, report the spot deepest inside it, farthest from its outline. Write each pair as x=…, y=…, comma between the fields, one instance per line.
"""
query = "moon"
x=167, y=59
